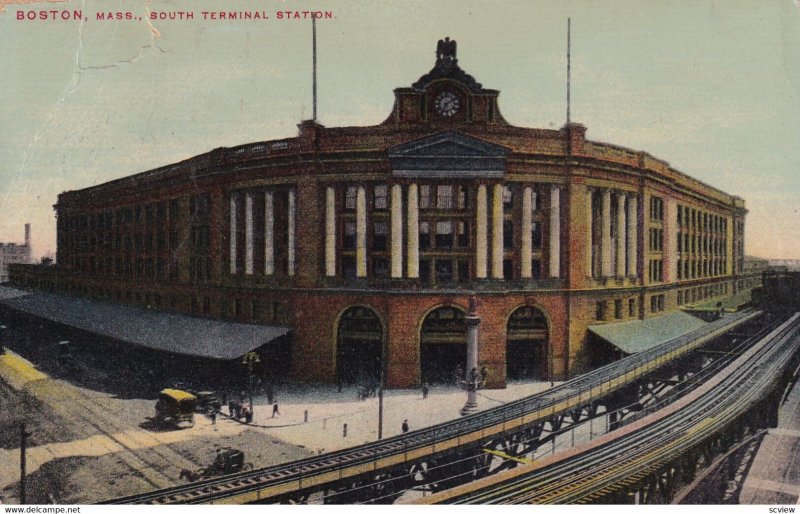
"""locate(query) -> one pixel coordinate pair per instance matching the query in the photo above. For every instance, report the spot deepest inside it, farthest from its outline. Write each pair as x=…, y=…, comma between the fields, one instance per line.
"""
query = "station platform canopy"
x=159, y=330
x=635, y=336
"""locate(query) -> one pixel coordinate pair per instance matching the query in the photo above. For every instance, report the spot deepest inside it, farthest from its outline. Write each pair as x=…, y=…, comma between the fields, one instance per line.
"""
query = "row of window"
x=622, y=307
x=440, y=197
x=700, y=293
x=694, y=219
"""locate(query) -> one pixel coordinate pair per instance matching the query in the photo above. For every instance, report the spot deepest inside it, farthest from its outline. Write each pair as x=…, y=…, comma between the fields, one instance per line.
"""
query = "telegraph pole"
x=22, y=448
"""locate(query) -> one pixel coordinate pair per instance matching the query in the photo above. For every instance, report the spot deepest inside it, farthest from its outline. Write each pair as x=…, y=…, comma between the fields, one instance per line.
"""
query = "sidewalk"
x=328, y=411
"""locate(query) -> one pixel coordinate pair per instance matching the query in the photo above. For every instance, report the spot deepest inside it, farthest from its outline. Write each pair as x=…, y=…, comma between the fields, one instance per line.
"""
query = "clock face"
x=446, y=104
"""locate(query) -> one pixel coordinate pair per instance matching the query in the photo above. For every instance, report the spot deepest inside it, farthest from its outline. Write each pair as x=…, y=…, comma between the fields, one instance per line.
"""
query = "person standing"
x=275, y=411
x=405, y=426
x=424, y=390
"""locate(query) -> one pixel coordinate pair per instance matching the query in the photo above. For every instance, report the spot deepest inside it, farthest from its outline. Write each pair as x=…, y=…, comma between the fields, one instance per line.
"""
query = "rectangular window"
x=508, y=235
x=348, y=266
x=444, y=234
x=424, y=197
x=463, y=234
x=463, y=197
x=350, y=198
x=425, y=271
x=444, y=197
x=600, y=311
x=381, y=197
x=508, y=269
x=444, y=270
x=349, y=237
x=508, y=199
x=463, y=270
x=536, y=268
x=380, y=236
x=380, y=267
x=618, y=309
x=424, y=235
x=632, y=307
x=536, y=234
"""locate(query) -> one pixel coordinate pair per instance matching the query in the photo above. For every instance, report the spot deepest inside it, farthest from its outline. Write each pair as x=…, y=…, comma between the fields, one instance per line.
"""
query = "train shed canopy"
x=635, y=336
x=159, y=330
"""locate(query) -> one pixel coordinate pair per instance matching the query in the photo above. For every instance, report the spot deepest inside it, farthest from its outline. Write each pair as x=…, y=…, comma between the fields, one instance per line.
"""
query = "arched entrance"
x=443, y=347
x=359, y=338
x=526, y=344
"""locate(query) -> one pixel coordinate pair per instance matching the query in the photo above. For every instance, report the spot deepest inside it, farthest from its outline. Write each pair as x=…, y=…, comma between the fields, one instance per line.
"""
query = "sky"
x=712, y=87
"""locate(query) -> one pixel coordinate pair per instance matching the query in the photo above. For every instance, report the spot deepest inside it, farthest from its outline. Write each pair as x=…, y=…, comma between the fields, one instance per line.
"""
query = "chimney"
x=27, y=234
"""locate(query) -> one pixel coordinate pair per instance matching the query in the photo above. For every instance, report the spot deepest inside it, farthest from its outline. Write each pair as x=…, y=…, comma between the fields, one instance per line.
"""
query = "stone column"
x=269, y=234
x=525, y=250
x=248, y=234
x=589, y=234
x=397, y=231
x=481, y=243
x=605, y=236
x=361, y=232
x=621, y=234
x=330, y=232
x=290, y=239
x=412, y=261
x=497, y=231
x=472, y=321
x=633, y=234
x=232, y=237
x=555, y=232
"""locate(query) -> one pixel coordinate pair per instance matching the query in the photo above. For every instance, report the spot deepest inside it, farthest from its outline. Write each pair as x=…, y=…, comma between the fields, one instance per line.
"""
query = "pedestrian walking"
x=405, y=426
x=213, y=416
x=424, y=390
x=231, y=407
x=275, y=411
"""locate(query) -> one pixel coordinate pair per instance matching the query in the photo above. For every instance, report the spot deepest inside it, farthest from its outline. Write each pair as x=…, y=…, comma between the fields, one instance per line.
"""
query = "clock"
x=446, y=104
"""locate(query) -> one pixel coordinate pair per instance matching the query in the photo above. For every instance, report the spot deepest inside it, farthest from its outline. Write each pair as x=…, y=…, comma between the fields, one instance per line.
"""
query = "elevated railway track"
x=649, y=459
x=448, y=454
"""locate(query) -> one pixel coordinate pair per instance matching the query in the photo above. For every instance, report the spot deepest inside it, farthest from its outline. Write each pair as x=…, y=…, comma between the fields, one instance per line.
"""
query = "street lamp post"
x=473, y=376
x=250, y=359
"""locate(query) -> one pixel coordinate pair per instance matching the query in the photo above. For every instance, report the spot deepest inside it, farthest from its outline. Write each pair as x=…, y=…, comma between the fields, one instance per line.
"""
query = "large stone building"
x=12, y=253
x=367, y=241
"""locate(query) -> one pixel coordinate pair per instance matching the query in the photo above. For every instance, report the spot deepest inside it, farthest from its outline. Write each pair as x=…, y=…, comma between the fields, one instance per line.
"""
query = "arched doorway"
x=443, y=347
x=526, y=344
x=359, y=338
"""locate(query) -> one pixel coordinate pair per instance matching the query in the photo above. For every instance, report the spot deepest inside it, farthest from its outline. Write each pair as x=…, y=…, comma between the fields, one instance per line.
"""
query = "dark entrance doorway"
x=359, y=339
x=526, y=344
x=443, y=347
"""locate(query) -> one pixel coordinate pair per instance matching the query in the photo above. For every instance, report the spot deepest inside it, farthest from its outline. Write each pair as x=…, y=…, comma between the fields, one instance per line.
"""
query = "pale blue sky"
x=713, y=87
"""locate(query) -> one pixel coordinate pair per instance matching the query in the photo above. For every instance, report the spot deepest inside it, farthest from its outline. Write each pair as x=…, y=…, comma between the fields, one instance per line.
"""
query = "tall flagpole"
x=569, y=42
x=314, y=48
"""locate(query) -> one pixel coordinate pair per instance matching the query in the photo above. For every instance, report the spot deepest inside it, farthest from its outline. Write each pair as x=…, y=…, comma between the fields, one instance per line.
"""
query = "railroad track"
x=624, y=457
x=319, y=473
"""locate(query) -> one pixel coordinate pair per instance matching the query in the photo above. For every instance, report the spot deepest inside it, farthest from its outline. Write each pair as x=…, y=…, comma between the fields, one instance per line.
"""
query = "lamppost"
x=250, y=359
x=473, y=375
x=2, y=346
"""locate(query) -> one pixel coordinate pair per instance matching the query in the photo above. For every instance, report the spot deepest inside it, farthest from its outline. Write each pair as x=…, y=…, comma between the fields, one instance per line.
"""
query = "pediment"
x=449, y=154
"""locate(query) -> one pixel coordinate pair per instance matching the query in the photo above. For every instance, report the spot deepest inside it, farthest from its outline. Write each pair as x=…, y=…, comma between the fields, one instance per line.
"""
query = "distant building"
x=12, y=253
x=367, y=241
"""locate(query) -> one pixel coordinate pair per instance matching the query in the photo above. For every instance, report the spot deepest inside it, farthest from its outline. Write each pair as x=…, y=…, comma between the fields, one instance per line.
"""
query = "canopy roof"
x=166, y=331
x=639, y=335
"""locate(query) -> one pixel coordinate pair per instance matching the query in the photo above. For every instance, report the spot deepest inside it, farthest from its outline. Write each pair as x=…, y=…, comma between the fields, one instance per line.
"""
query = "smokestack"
x=27, y=234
